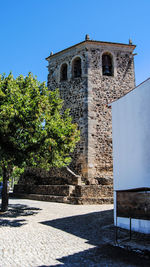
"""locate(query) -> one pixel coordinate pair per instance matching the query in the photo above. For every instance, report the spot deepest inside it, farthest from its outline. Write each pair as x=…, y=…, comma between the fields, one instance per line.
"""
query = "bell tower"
x=90, y=75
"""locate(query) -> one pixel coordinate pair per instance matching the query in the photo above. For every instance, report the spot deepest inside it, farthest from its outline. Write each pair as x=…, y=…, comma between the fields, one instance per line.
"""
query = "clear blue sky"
x=30, y=29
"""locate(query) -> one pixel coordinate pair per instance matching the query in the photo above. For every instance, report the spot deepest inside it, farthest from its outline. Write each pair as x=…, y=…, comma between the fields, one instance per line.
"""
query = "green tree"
x=33, y=129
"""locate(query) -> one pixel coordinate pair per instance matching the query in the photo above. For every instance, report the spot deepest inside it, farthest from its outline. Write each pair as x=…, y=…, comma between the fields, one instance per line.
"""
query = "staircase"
x=56, y=187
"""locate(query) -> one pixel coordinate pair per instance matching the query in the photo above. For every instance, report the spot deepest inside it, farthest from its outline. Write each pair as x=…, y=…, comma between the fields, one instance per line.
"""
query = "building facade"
x=131, y=156
x=90, y=75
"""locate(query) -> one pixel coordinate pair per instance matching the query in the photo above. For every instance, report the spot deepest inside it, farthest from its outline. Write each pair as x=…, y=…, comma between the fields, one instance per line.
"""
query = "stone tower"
x=90, y=75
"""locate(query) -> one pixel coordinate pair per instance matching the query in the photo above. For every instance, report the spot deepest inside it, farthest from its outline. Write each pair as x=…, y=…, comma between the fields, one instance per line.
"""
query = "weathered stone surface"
x=90, y=200
x=67, y=199
x=38, y=185
x=94, y=191
x=87, y=97
x=57, y=190
x=73, y=194
x=104, y=180
x=56, y=176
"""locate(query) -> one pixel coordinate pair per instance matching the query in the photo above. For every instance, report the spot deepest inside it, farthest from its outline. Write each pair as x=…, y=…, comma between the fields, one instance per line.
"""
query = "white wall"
x=131, y=146
x=131, y=139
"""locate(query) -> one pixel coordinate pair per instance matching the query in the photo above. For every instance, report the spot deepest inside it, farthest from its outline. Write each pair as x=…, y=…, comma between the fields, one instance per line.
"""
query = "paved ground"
x=36, y=234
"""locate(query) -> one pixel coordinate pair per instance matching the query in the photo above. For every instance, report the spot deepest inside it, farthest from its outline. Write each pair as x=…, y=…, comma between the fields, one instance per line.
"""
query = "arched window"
x=76, y=67
x=107, y=64
x=63, y=72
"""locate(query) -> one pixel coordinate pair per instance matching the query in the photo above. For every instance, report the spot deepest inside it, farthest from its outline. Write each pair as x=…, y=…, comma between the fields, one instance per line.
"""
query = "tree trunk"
x=4, y=206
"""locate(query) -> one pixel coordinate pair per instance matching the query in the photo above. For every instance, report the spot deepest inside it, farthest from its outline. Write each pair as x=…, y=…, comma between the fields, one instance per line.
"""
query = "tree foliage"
x=33, y=128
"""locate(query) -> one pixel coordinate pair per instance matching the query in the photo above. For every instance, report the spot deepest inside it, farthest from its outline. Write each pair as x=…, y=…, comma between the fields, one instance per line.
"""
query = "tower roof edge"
x=91, y=42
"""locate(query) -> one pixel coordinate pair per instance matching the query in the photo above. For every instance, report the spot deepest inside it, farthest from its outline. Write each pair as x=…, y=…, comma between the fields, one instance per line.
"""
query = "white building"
x=131, y=158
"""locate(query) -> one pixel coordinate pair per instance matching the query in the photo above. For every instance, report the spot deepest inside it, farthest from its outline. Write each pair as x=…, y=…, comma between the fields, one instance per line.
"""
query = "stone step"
x=57, y=190
x=93, y=191
x=49, y=198
x=53, y=181
x=90, y=200
x=104, y=180
x=65, y=199
x=56, y=176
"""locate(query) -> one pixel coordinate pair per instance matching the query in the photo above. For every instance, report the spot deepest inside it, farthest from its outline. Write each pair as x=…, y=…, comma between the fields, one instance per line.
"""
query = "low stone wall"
x=56, y=176
x=61, y=185
x=57, y=190
x=96, y=191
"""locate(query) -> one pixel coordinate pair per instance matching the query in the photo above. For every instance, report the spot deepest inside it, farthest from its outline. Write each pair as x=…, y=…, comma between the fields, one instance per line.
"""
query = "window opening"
x=107, y=65
x=63, y=72
x=77, y=67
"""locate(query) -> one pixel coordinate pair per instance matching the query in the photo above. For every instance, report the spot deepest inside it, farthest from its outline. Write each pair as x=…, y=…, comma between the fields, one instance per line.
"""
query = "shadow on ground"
x=89, y=226
x=98, y=230
x=105, y=255
x=15, y=211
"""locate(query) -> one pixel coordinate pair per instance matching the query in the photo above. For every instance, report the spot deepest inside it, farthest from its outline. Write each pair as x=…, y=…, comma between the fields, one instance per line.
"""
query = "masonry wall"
x=103, y=90
x=74, y=91
x=87, y=97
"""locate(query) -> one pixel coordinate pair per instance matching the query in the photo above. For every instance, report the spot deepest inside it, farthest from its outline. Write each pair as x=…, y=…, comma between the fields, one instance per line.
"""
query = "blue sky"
x=30, y=29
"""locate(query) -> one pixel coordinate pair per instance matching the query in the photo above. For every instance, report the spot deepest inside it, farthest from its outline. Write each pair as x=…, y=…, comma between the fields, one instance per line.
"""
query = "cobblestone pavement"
x=41, y=234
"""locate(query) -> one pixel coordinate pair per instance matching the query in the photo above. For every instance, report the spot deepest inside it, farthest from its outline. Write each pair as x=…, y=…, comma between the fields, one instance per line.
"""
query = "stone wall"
x=55, y=176
x=88, y=96
x=60, y=185
x=101, y=91
x=74, y=91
